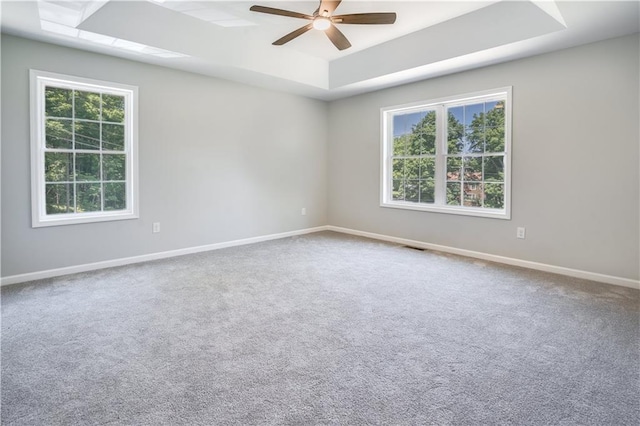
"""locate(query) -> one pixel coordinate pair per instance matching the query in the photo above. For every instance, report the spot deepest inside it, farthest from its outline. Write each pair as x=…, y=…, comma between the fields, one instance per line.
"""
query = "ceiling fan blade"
x=292, y=35
x=337, y=38
x=365, y=18
x=329, y=6
x=279, y=12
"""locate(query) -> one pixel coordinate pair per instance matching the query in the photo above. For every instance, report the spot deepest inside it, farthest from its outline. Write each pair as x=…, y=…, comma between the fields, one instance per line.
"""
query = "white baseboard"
x=16, y=279
x=593, y=276
x=576, y=273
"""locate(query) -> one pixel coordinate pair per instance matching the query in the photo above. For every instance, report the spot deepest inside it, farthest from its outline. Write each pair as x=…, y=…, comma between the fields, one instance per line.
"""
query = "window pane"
x=427, y=190
x=494, y=168
x=454, y=168
x=398, y=168
x=398, y=190
x=113, y=137
x=412, y=191
x=472, y=168
x=494, y=139
x=412, y=168
x=456, y=114
x=58, y=102
x=113, y=108
x=87, y=167
x=474, y=140
x=87, y=135
x=424, y=135
x=423, y=143
x=88, y=197
x=473, y=194
x=115, y=196
x=495, y=127
x=453, y=193
x=400, y=144
x=455, y=130
x=494, y=195
x=427, y=168
x=404, y=124
x=59, y=134
x=58, y=167
x=474, y=120
x=113, y=166
x=495, y=113
x=87, y=105
x=488, y=106
x=474, y=115
x=59, y=198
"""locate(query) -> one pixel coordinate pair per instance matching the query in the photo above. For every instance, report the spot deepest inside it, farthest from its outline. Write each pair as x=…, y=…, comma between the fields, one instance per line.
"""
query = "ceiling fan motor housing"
x=324, y=21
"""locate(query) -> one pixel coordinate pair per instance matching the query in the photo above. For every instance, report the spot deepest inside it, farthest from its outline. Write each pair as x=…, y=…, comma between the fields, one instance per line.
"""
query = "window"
x=83, y=150
x=449, y=155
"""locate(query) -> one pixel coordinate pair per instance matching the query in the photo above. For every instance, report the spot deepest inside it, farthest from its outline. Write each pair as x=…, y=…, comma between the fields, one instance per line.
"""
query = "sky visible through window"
x=403, y=124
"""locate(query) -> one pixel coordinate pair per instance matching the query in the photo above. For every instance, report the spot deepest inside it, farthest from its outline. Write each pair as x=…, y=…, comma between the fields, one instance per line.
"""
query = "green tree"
x=58, y=102
x=486, y=132
x=455, y=135
x=87, y=105
x=423, y=136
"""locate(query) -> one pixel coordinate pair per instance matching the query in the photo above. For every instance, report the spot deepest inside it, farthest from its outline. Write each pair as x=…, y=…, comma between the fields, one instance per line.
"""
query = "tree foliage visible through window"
x=475, y=155
x=85, y=159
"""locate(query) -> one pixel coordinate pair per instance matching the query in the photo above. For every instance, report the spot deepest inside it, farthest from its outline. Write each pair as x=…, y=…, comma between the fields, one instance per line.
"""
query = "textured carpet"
x=319, y=329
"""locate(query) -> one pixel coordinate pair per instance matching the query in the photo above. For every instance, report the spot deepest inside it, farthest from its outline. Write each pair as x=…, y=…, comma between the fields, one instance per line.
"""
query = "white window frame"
x=39, y=80
x=440, y=105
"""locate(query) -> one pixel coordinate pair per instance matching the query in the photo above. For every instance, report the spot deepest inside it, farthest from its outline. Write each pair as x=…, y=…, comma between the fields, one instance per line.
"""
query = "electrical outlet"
x=520, y=233
x=156, y=227
x=303, y=212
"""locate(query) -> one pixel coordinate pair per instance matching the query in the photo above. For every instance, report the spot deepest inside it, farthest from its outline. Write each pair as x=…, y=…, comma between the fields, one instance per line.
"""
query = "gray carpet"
x=319, y=329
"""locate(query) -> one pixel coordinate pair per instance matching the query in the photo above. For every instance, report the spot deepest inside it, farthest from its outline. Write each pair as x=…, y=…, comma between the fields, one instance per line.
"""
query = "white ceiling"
x=225, y=39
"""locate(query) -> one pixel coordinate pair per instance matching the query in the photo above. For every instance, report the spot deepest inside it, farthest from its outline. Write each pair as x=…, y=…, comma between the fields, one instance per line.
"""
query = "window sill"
x=75, y=218
x=464, y=211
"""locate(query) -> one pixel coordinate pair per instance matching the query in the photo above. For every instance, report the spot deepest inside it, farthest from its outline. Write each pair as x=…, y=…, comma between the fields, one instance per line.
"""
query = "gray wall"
x=219, y=161
x=575, y=161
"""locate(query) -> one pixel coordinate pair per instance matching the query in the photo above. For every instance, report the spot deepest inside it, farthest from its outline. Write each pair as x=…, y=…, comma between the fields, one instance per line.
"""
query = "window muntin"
x=449, y=155
x=84, y=153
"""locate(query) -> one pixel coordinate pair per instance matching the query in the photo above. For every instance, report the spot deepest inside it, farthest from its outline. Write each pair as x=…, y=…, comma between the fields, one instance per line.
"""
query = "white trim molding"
x=560, y=270
x=39, y=275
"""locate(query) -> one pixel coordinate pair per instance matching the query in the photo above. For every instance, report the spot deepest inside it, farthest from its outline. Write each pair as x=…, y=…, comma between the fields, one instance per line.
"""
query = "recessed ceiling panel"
x=496, y=25
x=195, y=37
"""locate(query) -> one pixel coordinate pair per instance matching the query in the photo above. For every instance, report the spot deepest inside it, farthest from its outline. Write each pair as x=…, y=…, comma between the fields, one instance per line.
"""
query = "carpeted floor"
x=319, y=329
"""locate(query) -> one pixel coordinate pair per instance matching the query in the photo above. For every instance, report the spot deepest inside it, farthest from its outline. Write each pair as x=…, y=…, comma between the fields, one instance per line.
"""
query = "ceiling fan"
x=323, y=19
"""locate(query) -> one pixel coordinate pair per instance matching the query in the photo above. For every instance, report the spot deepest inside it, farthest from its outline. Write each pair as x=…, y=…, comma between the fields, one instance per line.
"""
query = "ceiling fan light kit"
x=321, y=23
x=324, y=20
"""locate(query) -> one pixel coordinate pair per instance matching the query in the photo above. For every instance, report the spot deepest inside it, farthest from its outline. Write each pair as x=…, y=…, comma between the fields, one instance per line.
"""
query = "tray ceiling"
x=224, y=39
